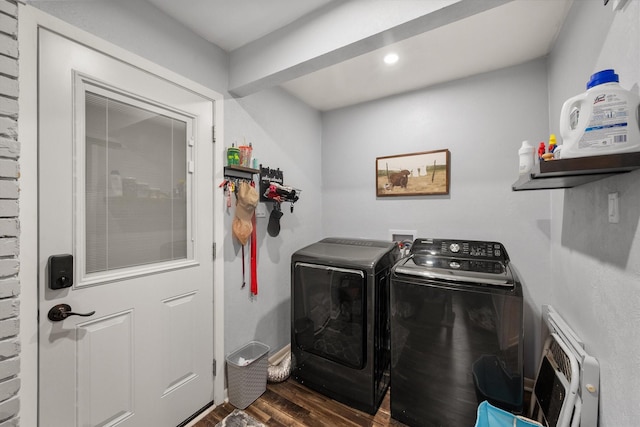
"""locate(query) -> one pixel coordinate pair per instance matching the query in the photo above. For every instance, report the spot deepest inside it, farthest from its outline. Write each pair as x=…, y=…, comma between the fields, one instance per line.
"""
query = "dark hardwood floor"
x=292, y=404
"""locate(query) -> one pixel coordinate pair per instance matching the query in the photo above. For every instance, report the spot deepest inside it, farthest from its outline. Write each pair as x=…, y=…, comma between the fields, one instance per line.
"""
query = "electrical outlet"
x=401, y=235
x=614, y=208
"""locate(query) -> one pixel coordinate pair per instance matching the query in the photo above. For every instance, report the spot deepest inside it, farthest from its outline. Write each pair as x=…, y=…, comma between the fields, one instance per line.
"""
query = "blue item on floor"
x=490, y=416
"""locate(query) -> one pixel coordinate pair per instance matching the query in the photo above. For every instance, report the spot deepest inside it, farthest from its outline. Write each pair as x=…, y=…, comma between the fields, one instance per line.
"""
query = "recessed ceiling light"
x=391, y=58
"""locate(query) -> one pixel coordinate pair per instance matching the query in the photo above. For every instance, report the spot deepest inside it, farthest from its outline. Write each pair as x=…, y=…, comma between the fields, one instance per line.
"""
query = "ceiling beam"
x=337, y=32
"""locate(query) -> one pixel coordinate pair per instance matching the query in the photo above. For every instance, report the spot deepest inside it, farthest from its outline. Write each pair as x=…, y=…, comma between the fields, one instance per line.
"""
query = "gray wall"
x=285, y=134
x=482, y=120
x=596, y=265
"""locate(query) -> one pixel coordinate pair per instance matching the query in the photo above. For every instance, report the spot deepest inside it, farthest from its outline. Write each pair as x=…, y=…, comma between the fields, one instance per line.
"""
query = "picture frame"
x=425, y=173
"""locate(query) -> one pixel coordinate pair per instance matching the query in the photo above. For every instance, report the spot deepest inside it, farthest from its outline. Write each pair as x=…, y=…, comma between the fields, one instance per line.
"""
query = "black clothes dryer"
x=456, y=333
x=340, y=319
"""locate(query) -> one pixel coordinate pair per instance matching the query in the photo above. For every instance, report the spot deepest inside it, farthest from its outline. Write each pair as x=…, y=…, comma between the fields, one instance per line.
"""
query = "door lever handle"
x=62, y=311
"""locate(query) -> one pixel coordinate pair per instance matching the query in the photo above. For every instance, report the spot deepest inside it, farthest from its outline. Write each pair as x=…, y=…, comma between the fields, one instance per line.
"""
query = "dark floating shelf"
x=240, y=172
x=567, y=173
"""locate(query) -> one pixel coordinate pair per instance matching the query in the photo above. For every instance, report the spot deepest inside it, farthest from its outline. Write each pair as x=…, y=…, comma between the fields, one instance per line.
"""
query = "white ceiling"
x=506, y=35
x=231, y=24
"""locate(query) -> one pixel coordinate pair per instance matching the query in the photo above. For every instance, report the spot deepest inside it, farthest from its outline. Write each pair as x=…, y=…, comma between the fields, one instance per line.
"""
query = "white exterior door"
x=125, y=192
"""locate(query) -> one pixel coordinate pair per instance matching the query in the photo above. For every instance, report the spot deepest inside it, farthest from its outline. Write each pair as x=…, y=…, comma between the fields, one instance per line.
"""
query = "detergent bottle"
x=602, y=120
x=526, y=157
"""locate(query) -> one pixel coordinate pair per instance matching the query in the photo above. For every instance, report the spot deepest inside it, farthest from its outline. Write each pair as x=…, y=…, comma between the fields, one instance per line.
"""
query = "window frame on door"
x=83, y=84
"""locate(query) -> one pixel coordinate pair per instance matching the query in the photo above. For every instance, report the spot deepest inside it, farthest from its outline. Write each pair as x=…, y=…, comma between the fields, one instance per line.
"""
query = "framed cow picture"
x=414, y=174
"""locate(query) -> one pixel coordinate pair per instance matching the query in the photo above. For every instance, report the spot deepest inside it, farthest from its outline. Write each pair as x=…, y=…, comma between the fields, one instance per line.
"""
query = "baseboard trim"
x=279, y=356
x=528, y=384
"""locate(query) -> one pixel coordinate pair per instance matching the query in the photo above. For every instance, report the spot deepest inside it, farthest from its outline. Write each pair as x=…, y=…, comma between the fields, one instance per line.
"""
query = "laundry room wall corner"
x=286, y=134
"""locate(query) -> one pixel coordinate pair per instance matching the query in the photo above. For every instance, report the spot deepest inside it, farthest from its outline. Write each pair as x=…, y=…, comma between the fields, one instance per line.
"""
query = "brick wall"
x=9, y=225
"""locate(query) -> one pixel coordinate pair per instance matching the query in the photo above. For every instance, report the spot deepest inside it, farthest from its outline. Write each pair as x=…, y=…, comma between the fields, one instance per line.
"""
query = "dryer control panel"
x=468, y=249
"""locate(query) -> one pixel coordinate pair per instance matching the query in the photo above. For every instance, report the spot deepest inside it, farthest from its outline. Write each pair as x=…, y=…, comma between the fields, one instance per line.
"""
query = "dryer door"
x=329, y=312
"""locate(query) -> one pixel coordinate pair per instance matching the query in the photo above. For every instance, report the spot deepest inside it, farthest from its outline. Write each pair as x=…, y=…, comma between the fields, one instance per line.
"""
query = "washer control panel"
x=468, y=249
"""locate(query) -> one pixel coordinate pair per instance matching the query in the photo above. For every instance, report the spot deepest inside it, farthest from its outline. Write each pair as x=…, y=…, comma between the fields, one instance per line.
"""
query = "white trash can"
x=247, y=374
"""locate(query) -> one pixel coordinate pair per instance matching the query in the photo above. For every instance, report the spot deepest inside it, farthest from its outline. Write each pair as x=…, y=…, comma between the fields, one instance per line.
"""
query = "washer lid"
x=450, y=269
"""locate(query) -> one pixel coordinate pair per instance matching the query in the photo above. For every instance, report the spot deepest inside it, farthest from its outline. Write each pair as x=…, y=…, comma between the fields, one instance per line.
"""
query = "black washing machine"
x=456, y=333
x=340, y=319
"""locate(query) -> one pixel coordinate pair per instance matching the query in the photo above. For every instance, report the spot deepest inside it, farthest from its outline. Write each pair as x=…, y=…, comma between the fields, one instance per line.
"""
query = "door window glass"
x=135, y=185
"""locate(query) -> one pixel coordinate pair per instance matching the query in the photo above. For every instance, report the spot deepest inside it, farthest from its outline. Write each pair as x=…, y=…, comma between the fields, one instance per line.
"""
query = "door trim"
x=30, y=20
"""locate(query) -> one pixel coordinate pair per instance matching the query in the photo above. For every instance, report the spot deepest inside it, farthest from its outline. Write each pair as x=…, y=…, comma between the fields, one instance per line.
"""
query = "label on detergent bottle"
x=608, y=124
